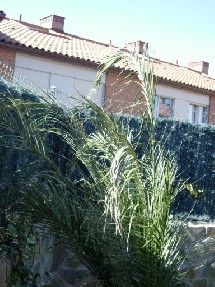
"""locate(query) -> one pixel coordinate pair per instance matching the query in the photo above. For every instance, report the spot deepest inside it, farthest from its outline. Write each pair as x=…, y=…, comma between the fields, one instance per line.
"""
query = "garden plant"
x=108, y=203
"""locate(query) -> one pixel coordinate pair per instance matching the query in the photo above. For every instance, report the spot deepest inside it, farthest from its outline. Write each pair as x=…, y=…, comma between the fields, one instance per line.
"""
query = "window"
x=198, y=114
x=166, y=101
x=165, y=107
x=204, y=115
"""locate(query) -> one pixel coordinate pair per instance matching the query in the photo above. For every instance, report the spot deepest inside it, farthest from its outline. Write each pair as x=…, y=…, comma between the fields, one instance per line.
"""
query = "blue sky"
x=180, y=30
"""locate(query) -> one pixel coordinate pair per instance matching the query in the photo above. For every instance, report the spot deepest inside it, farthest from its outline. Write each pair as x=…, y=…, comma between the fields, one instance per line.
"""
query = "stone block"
x=3, y=277
x=68, y=275
x=209, y=243
x=195, y=233
x=43, y=258
x=211, y=232
x=5, y=272
x=89, y=281
x=190, y=273
x=71, y=263
x=211, y=283
x=57, y=281
x=188, y=282
x=61, y=256
x=209, y=270
x=199, y=283
x=202, y=251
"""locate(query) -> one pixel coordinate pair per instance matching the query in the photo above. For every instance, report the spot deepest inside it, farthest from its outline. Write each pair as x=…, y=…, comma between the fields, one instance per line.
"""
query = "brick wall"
x=212, y=111
x=8, y=56
x=121, y=97
x=164, y=110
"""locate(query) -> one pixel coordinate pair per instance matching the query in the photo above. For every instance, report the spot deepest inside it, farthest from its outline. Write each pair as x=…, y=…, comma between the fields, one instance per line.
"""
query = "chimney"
x=2, y=15
x=138, y=46
x=201, y=67
x=53, y=22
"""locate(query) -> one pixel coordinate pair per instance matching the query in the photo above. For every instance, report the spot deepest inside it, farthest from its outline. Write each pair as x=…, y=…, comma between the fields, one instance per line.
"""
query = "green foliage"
x=193, y=149
x=108, y=194
x=17, y=243
x=115, y=213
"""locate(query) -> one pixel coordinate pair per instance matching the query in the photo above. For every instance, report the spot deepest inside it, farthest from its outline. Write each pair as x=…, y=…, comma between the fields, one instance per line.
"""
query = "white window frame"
x=156, y=106
x=197, y=114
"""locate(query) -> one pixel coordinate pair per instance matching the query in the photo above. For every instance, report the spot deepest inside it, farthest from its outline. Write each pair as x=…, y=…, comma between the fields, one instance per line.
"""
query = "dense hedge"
x=194, y=148
x=192, y=145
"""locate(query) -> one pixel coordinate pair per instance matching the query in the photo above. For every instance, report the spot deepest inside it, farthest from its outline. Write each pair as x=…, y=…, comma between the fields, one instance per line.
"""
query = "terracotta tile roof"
x=183, y=75
x=22, y=34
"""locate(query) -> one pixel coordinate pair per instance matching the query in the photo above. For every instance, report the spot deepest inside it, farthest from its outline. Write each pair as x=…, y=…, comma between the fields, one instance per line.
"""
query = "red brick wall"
x=8, y=56
x=120, y=97
x=212, y=111
x=164, y=110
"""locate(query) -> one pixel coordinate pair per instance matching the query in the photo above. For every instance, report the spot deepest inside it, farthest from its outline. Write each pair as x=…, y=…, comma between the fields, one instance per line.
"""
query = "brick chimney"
x=138, y=46
x=2, y=15
x=201, y=67
x=53, y=22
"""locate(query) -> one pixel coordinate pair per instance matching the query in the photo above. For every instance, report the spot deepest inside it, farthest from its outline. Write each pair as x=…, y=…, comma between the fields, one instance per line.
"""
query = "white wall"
x=182, y=100
x=70, y=79
x=74, y=80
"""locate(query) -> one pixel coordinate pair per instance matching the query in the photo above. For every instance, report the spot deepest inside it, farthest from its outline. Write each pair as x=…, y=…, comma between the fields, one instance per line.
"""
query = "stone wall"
x=5, y=272
x=68, y=271
x=60, y=267
x=200, y=238
x=43, y=257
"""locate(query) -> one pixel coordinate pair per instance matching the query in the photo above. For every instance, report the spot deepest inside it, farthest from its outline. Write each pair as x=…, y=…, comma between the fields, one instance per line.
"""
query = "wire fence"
x=19, y=81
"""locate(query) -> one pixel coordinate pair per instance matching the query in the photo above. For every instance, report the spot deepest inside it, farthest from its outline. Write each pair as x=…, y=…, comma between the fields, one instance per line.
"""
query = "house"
x=50, y=57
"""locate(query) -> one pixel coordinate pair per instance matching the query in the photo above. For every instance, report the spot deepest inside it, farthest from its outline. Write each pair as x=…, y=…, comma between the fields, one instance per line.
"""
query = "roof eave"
x=48, y=54
x=94, y=65
x=184, y=86
x=167, y=82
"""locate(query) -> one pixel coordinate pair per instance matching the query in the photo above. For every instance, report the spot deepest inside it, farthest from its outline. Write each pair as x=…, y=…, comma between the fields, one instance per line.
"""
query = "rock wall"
x=5, y=272
x=200, y=238
x=43, y=257
x=68, y=271
x=59, y=267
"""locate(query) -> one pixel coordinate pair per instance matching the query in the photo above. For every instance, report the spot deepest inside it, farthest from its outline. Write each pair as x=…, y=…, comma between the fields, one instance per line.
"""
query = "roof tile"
x=33, y=36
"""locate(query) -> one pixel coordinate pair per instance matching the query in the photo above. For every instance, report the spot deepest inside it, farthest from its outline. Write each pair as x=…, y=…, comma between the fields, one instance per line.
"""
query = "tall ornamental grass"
x=110, y=206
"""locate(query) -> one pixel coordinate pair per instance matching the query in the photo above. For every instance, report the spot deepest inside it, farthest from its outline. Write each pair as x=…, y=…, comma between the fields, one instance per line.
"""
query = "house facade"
x=181, y=93
x=51, y=58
